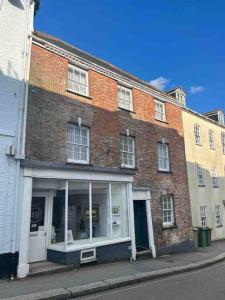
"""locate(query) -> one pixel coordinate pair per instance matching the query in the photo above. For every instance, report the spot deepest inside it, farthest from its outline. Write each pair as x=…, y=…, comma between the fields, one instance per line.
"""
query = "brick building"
x=103, y=141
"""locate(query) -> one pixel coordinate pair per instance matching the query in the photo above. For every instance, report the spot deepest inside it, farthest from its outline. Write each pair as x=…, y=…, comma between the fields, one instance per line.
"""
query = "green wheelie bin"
x=202, y=237
x=195, y=236
x=208, y=237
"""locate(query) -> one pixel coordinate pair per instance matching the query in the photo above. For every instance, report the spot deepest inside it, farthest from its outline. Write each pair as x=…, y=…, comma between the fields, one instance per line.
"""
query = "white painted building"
x=16, y=25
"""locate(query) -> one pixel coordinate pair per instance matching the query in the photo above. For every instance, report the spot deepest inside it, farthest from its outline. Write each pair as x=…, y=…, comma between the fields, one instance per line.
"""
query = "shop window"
x=96, y=211
x=78, y=208
x=58, y=218
x=119, y=211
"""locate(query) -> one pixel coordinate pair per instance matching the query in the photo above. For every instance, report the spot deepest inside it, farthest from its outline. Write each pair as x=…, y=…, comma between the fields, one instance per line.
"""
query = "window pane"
x=77, y=80
x=78, y=209
x=100, y=211
x=125, y=98
x=119, y=211
x=127, y=151
x=58, y=218
x=78, y=143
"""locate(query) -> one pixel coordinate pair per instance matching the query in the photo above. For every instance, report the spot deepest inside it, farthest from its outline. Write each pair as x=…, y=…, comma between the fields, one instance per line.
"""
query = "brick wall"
x=51, y=107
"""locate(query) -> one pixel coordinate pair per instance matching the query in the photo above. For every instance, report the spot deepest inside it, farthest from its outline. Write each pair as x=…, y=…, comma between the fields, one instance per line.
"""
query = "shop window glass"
x=119, y=211
x=58, y=218
x=78, y=206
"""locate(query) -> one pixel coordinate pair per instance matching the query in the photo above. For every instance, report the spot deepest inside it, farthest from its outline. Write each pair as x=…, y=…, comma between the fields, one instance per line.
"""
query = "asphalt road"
x=204, y=284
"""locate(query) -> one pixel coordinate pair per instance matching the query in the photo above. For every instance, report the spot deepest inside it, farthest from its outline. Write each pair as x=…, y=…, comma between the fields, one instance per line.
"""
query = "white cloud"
x=160, y=82
x=197, y=89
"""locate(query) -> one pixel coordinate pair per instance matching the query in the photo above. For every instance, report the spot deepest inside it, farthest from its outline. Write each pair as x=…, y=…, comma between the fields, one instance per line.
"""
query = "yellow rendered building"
x=205, y=154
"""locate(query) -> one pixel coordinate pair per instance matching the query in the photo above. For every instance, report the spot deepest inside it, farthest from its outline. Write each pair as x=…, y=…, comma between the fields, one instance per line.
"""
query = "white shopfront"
x=67, y=210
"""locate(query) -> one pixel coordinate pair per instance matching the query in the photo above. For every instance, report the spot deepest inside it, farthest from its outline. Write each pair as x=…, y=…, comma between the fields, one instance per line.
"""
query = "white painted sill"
x=61, y=247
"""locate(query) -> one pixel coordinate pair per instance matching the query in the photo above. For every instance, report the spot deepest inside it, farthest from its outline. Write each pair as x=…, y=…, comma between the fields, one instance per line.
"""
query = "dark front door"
x=141, y=227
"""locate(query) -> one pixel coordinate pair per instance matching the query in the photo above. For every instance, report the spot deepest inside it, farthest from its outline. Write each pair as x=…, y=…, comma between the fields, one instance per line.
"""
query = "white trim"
x=122, y=138
x=160, y=157
x=76, y=175
x=90, y=212
x=110, y=210
x=66, y=214
x=197, y=129
x=121, y=87
x=73, y=128
x=150, y=228
x=145, y=196
x=171, y=198
x=70, y=248
x=76, y=82
x=157, y=112
x=131, y=220
x=23, y=266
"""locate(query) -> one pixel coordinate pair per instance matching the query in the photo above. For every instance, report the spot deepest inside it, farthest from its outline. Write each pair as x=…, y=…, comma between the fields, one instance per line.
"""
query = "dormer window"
x=179, y=95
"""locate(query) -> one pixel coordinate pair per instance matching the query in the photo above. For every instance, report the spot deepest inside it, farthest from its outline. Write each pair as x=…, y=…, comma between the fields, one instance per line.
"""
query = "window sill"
x=127, y=167
x=198, y=144
x=216, y=187
x=124, y=109
x=61, y=246
x=174, y=226
x=212, y=148
x=219, y=226
x=201, y=185
x=165, y=172
x=162, y=121
x=78, y=94
x=70, y=161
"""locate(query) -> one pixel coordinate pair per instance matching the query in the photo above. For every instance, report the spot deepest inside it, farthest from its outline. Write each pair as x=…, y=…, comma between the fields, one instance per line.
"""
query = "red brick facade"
x=51, y=107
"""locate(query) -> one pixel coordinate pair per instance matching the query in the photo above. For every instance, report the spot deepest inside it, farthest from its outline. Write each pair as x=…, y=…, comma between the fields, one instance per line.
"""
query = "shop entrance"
x=38, y=230
x=141, y=226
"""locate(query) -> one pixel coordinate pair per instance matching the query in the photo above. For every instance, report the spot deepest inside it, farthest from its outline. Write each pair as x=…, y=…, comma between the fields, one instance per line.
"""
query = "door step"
x=47, y=267
x=144, y=254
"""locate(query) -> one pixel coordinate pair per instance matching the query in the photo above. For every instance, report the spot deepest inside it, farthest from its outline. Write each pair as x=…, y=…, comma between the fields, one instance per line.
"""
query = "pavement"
x=96, y=278
x=203, y=284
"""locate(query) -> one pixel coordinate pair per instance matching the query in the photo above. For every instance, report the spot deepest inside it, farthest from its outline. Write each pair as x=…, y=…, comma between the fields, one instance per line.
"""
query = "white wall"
x=16, y=23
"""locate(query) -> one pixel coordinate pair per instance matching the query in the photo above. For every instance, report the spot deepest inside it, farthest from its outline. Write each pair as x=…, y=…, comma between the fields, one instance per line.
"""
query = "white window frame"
x=122, y=151
x=218, y=216
x=211, y=139
x=162, y=157
x=223, y=141
x=129, y=102
x=200, y=175
x=80, y=161
x=203, y=215
x=197, y=134
x=165, y=210
x=214, y=175
x=160, y=115
x=86, y=86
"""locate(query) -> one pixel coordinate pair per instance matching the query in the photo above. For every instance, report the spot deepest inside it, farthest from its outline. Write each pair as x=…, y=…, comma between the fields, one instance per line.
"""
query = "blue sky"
x=168, y=42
